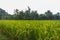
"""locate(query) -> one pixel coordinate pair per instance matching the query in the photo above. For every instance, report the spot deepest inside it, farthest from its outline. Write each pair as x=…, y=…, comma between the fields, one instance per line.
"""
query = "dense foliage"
x=30, y=29
x=29, y=15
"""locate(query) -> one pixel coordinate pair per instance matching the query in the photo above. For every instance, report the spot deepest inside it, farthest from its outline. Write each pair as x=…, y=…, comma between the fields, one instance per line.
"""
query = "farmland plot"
x=30, y=29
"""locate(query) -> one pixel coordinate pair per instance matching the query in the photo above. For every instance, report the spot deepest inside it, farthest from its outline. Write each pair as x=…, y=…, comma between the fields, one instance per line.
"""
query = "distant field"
x=30, y=30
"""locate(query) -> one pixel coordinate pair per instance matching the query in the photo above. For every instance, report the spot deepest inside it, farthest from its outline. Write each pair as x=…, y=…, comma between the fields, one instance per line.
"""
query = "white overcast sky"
x=40, y=5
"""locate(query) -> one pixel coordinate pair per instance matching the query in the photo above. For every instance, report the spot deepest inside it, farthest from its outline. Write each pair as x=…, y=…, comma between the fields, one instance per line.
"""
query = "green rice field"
x=29, y=29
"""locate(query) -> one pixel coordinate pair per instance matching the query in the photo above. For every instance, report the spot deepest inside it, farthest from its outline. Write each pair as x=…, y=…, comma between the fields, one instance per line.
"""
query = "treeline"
x=28, y=15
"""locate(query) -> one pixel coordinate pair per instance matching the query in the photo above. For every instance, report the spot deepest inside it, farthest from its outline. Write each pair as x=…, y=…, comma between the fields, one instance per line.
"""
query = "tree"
x=21, y=15
x=29, y=9
x=57, y=16
x=27, y=14
x=34, y=15
x=3, y=13
x=16, y=11
x=43, y=17
x=49, y=14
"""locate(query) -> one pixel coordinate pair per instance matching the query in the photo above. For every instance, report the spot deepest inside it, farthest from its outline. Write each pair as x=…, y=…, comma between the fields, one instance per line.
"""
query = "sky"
x=40, y=5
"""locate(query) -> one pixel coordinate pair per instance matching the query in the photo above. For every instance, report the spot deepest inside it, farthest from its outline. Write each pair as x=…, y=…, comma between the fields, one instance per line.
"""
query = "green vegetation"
x=30, y=30
x=29, y=15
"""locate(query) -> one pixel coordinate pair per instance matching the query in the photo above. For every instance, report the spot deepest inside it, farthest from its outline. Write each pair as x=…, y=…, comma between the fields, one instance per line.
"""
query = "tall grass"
x=31, y=29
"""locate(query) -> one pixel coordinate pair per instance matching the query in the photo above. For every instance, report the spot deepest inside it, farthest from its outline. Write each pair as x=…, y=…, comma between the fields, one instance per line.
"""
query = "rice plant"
x=30, y=29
